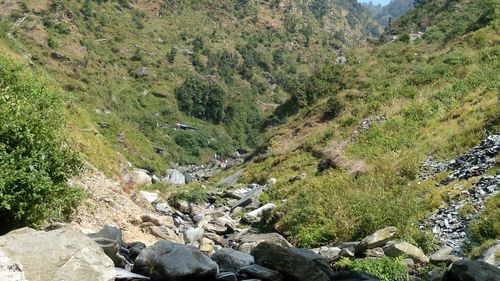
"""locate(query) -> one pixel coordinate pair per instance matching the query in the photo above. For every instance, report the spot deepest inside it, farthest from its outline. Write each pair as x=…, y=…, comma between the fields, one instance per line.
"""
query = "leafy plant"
x=34, y=160
x=387, y=269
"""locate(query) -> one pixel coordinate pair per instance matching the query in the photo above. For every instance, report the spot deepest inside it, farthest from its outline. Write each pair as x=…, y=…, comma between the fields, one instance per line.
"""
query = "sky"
x=383, y=2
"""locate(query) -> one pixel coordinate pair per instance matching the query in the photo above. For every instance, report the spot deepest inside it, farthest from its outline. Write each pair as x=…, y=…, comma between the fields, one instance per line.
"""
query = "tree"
x=35, y=163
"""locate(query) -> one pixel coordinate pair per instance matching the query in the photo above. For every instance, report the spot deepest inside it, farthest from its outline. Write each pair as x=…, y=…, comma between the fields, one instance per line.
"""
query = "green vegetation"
x=34, y=161
x=125, y=69
x=439, y=96
x=387, y=269
x=487, y=227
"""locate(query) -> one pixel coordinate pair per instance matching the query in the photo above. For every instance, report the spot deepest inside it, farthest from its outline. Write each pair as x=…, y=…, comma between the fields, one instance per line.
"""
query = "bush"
x=387, y=269
x=333, y=108
x=488, y=225
x=34, y=162
x=193, y=193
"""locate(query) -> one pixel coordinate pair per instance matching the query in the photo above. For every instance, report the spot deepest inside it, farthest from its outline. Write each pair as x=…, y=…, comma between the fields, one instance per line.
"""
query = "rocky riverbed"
x=449, y=225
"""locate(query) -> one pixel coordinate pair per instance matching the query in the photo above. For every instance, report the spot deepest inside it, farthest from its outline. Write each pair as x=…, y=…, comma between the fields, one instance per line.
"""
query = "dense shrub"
x=488, y=225
x=34, y=161
x=201, y=99
x=387, y=269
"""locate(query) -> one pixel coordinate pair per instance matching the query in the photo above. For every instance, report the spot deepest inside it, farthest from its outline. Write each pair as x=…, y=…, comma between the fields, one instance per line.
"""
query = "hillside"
x=236, y=140
x=130, y=68
x=433, y=97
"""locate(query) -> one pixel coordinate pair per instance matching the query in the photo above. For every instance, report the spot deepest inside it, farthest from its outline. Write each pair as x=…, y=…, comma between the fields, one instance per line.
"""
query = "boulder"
x=232, y=179
x=292, y=265
x=468, y=270
x=330, y=253
x=135, y=249
x=320, y=261
x=374, y=253
x=492, y=255
x=63, y=254
x=250, y=241
x=140, y=177
x=434, y=275
x=173, y=176
x=112, y=249
x=151, y=197
x=230, y=260
x=251, y=197
x=256, y=215
x=260, y=272
x=10, y=270
x=109, y=232
x=377, y=239
x=406, y=249
x=167, y=261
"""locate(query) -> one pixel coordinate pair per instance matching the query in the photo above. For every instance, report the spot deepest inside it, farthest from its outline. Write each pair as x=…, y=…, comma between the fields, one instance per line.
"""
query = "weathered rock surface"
x=71, y=255
x=468, y=270
x=140, y=177
x=407, y=250
x=149, y=196
x=353, y=276
x=10, y=270
x=167, y=261
x=230, y=260
x=260, y=272
x=174, y=176
x=250, y=241
x=293, y=266
x=320, y=261
x=377, y=239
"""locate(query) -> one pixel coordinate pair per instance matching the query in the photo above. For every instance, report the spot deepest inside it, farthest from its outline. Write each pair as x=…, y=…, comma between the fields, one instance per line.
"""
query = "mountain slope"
x=122, y=63
x=403, y=101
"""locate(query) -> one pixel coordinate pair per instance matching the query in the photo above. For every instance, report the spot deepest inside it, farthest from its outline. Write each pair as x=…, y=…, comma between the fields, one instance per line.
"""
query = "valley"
x=250, y=140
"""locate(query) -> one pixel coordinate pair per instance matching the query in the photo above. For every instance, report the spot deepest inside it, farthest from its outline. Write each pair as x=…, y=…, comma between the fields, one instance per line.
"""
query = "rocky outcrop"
x=468, y=270
x=260, y=272
x=377, y=239
x=167, y=261
x=72, y=255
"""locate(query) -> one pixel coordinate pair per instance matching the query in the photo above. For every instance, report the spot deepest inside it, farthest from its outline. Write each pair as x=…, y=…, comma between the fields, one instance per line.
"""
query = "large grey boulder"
x=292, y=265
x=250, y=241
x=407, y=250
x=151, y=197
x=167, y=261
x=232, y=179
x=353, y=276
x=63, y=254
x=230, y=260
x=10, y=270
x=173, y=176
x=140, y=177
x=468, y=270
x=377, y=239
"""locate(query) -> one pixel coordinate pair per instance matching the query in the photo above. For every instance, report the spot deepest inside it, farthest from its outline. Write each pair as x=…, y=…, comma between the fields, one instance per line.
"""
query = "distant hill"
x=393, y=10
